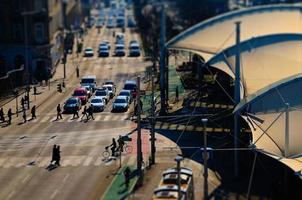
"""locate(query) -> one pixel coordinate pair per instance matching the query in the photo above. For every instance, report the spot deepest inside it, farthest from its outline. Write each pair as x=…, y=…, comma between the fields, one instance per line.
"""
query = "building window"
x=39, y=32
x=17, y=32
x=38, y=5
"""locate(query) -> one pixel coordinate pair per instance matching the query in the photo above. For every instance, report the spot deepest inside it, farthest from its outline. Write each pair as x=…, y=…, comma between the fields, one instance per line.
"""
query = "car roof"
x=121, y=97
x=128, y=91
x=130, y=82
x=73, y=98
x=97, y=97
x=89, y=76
x=80, y=89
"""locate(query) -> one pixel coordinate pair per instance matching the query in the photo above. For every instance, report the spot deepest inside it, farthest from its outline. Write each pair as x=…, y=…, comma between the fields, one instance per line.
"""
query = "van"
x=89, y=81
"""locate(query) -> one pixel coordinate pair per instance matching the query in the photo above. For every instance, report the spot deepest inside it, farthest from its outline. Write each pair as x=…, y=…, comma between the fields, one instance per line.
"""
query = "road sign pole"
x=139, y=140
x=153, y=148
x=205, y=159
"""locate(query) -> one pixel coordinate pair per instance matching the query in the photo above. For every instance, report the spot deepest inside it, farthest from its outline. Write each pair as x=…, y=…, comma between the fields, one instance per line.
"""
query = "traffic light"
x=59, y=87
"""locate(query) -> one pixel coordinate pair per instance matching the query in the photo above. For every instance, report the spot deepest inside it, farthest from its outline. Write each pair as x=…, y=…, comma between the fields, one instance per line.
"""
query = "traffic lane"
x=61, y=183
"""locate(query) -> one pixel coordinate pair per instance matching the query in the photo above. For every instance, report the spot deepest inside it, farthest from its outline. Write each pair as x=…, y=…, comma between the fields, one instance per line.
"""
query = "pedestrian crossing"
x=101, y=117
x=66, y=161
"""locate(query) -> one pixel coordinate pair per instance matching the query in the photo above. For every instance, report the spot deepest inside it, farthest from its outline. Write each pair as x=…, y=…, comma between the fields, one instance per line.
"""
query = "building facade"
x=32, y=36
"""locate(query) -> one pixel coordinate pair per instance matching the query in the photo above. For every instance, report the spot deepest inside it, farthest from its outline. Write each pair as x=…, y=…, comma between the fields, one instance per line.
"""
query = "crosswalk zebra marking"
x=87, y=161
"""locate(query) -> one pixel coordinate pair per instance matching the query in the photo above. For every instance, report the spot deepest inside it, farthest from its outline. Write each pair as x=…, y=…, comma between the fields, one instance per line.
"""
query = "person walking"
x=113, y=147
x=53, y=157
x=33, y=112
x=75, y=113
x=90, y=112
x=84, y=113
x=22, y=103
x=120, y=143
x=24, y=116
x=59, y=112
x=127, y=173
x=9, y=115
x=58, y=156
x=2, y=115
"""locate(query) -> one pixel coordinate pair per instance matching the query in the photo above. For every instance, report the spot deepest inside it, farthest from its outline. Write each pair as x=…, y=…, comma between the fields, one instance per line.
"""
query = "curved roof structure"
x=212, y=36
x=264, y=60
x=272, y=111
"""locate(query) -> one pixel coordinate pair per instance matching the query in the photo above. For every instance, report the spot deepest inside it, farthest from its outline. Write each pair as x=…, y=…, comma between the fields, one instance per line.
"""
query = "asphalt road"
x=25, y=149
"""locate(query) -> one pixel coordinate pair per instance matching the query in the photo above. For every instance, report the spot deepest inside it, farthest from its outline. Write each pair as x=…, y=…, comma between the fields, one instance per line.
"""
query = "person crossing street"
x=59, y=112
x=2, y=115
x=9, y=115
x=24, y=116
x=33, y=112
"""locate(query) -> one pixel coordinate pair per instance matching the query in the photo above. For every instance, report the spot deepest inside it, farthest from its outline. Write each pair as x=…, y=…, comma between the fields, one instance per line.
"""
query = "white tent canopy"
x=280, y=107
x=212, y=36
x=264, y=60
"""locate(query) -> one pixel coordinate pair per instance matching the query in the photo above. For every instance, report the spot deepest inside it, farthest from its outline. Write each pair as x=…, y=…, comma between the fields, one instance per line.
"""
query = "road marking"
x=98, y=118
x=98, y=161
x=54, y=194
x=25, y=179
x=11, y=195
x=65, y=178
x=45, y=119
x=87, y=161
x=106, y=117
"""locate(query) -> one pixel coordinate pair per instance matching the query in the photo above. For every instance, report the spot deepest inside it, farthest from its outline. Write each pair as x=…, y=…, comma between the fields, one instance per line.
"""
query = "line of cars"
x=99, y=97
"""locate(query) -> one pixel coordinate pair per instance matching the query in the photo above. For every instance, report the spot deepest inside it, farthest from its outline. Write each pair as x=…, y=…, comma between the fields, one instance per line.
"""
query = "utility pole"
x=153, y=139
x=178, y=159
x=237, y=98
x=205, y=159
x=139, y=139
x=162, y=60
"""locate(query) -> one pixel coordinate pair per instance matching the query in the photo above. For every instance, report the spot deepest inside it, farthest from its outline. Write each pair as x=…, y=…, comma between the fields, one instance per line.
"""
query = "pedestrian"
x=53, y=157
x=59, y=112
x=58, y=156
x=127, y=173
x=9, y=115
x=84, y=113
x=2, y=115
x=22, y=103
x=75, y=112
x=90, y=112
x=113, y=147
x=121, y=143
x=33, y=112
x=176, y=93
x=24, y=116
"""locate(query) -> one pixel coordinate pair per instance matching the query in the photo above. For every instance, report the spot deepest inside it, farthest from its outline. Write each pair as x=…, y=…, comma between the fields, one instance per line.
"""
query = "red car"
x=82, y=94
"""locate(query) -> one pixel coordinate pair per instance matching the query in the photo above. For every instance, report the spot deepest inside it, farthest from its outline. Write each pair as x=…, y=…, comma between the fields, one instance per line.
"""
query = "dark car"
x=71, y=104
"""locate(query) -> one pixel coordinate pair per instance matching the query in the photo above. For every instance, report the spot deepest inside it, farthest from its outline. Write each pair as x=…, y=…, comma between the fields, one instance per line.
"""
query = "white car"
x=103, y=93
x=98, y=104
x=88, y=52
x=111, y=90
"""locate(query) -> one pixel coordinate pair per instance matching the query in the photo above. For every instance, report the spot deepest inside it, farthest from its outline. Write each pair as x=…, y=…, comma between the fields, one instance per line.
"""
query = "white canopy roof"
x=212, y=36
x=270, y=105
x=264, y=60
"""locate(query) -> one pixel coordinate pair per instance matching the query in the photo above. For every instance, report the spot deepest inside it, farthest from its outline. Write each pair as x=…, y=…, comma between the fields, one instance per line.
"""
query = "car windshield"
x=109, y=83
x=87, y=80
x=79, y=93
x=103, y=48
x=134, y=48
x=119, y=47
x=96, y=101
x=129, y=87
x=100, y=93
x=88, y=49
x=124, y=93
x=71, y=101
x=120, y=101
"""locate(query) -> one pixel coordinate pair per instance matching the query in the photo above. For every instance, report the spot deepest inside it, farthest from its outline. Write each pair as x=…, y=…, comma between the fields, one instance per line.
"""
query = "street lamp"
x=178, y=159
x=28, y=75
x=205, y=158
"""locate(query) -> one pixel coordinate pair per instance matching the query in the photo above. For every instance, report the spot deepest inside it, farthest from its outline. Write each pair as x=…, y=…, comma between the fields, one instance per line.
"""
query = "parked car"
x=134, y=49
x=88, y=52
x=105, y=43
x=103, y=51
x=120, y=104
x=103, y=93
x=98, y=104
x=71, y=104
x=109, y=82
x=82, y=94
x=119, y=50
x=111, y=90
x=89, y=81
x=127, y=94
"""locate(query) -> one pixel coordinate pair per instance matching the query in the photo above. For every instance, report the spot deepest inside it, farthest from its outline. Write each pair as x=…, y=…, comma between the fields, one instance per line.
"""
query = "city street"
x=26, y=148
